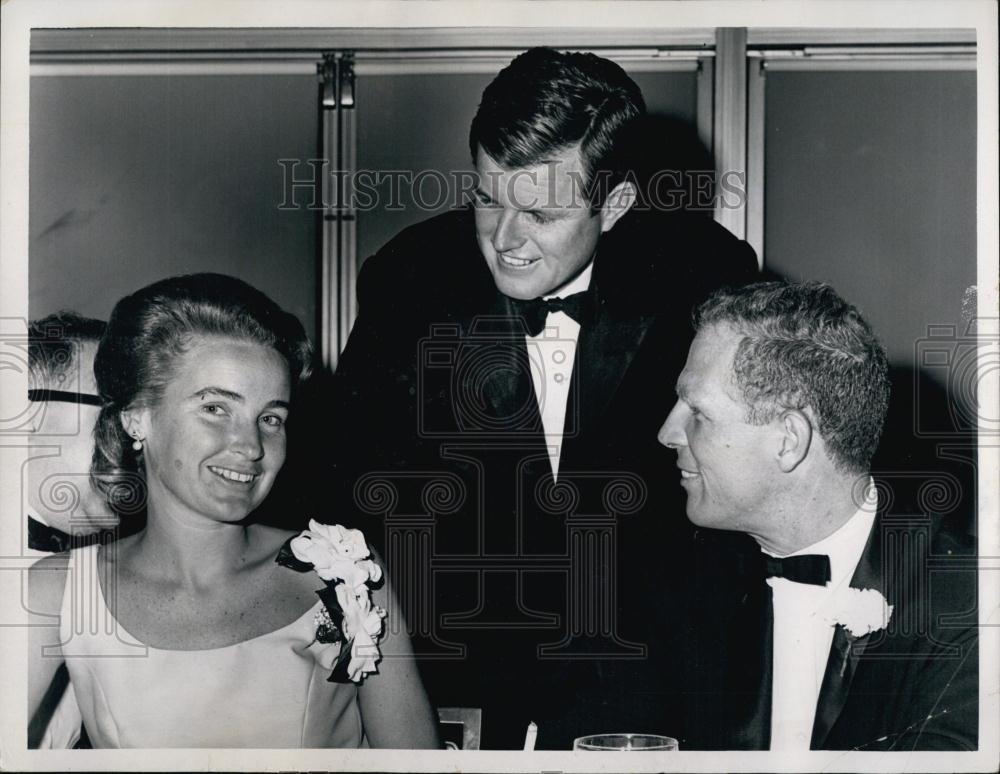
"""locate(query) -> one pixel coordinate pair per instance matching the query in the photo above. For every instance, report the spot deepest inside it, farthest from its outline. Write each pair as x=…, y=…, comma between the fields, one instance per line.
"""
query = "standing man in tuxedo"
x=855, y=627
x=503, y=358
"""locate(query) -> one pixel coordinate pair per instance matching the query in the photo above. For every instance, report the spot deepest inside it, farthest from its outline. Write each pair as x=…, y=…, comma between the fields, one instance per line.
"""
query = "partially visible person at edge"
x=64, y=509
x=853, y=627
x=511, y=351
x=197, y=376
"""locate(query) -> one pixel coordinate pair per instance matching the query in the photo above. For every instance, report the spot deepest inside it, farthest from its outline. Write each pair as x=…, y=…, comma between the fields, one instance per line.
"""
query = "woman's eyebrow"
x=236, y=397
x=219, y=392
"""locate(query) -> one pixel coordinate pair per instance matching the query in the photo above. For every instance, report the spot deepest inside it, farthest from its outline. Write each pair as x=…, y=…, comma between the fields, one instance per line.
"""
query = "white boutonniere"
x=340, y=557
x=860, y=611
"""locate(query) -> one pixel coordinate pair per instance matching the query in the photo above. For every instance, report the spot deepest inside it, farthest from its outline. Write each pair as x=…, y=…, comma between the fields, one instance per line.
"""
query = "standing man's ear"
x=617, y=203
x=796, y=437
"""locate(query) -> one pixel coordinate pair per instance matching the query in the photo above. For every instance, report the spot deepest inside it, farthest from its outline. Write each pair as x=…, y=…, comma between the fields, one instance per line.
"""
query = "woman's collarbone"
x=166, y=614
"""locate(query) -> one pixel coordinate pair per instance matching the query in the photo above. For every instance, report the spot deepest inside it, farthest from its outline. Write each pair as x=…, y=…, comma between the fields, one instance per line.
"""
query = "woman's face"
x=216, y=440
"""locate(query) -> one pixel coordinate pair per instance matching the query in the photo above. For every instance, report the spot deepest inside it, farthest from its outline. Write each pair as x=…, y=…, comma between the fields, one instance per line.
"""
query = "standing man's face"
x=535, y=226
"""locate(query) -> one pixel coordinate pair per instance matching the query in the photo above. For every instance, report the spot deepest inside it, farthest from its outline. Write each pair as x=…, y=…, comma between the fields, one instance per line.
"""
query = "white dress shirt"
x=552, y=354
x=803, y=631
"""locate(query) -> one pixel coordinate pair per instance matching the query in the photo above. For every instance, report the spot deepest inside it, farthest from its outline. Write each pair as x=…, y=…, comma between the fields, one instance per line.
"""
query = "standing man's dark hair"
x=545, y=101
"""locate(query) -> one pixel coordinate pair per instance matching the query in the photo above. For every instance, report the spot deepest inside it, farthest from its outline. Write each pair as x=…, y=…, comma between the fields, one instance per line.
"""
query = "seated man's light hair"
x=806, y=348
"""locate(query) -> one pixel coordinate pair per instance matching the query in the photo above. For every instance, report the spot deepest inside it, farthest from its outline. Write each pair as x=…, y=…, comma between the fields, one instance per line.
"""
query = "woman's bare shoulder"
x=46, y=582
x=293, y=585
x=270, y=539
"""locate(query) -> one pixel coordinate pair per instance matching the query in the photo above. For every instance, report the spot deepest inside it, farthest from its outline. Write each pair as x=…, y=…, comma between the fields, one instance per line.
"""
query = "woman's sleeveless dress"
x=269, y=691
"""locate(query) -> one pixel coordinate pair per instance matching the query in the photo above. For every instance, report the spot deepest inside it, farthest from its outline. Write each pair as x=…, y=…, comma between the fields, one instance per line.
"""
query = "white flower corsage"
x=860, y=611
x=340, y=557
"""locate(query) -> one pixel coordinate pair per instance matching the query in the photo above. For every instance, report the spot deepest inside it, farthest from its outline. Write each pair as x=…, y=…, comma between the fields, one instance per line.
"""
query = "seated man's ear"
x=796, y=437
x=619, y=201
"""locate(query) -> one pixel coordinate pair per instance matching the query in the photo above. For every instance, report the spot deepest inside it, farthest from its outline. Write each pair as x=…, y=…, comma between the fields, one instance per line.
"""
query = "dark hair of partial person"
x=545, y=101
x=804, y=347
x=54, y=345
x=150, y=329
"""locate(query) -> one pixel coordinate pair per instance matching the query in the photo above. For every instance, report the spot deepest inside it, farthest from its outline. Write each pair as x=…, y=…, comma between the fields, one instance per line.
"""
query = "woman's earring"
x=137, y=445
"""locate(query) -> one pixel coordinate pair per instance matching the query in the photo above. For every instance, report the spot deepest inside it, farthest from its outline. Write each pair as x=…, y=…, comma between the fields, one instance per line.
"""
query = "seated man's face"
x=535, y=226
x=727, y=466
x=58, y=485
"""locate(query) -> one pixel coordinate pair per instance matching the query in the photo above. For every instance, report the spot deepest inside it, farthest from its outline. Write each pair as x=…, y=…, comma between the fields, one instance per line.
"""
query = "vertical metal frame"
x=338, y=251
x=347, y=222
x=704, y=100
x=755, y=158
x=329, y=142
x=729, y=145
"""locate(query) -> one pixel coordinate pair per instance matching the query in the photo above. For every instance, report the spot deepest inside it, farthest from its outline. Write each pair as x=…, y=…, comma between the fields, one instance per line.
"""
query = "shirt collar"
x=578, y=284
x=847, y=543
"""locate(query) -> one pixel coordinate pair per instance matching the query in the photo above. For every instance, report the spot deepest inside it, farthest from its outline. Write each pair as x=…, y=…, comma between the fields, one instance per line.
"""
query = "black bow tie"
x=580, y=306
x=808, y=568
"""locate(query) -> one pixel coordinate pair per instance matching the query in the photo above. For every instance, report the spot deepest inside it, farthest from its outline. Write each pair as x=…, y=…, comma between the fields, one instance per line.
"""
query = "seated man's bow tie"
x=582, y=307
x=808, y=568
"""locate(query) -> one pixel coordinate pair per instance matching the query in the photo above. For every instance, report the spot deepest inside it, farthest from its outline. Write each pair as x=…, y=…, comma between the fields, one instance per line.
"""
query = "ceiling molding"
x=167, y=42
x=808, y=36
x=294, y=49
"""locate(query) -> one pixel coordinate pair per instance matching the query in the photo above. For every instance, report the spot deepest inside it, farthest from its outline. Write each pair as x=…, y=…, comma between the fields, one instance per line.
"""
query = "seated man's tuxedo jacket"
x=536, y=599
x=910, y=686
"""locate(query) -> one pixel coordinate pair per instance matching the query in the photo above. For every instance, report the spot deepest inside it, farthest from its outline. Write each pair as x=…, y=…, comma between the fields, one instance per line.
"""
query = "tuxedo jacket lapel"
x=845, y=650
x=753, y=729
x=605, y=350
x=607, y=346
x=502, y=374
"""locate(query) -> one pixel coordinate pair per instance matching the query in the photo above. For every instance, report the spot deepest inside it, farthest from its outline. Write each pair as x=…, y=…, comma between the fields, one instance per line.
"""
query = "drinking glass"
x=625, y=743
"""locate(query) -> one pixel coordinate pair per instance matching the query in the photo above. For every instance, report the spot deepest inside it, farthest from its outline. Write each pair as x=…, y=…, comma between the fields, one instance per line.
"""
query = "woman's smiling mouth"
x=233, y=475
